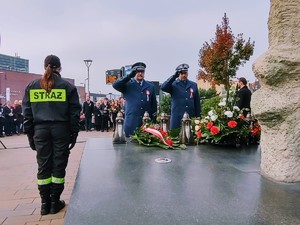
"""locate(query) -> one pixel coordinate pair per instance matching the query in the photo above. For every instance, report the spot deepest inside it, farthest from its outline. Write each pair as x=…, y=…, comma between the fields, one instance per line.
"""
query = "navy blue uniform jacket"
x=185, y=98
x=139, y=99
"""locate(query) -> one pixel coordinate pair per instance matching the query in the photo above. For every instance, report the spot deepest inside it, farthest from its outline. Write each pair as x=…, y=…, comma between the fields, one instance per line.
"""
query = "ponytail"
x=47, y=80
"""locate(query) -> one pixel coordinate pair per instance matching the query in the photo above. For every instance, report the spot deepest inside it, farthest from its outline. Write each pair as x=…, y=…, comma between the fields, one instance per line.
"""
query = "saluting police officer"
x=184, y=94
x=51, y=112
x=140, y=97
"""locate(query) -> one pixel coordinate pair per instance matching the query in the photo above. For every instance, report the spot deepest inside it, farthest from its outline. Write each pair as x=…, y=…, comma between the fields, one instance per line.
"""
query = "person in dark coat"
x=244, y=96
x=140, y=97
x=18, y=117
x=88, y=111
x=104, y=107
x=9, y=115
x=2, y=120
x=98, y=116
x=184, y=94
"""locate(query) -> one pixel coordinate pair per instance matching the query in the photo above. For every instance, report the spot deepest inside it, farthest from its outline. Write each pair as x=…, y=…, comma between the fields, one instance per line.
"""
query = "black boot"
x=56, y=203
x=45, y=196
x=45, y=208
x=56, y=206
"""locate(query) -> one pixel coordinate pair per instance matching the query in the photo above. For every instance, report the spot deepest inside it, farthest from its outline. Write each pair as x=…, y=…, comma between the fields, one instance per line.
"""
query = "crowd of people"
x=11, y=118
x=98, y=116
x=101, y=115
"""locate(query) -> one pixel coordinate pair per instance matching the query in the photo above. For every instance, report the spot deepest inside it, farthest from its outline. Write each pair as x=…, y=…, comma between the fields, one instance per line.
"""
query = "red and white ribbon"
x=147, y=93
x=192, y=93
x=157, y=134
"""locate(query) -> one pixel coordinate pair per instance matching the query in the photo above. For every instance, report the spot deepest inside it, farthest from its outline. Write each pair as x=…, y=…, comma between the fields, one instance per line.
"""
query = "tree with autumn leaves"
x=220, y=59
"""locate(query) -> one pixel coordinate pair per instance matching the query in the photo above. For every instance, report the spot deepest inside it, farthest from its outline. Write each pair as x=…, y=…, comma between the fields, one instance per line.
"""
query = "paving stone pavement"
x=19, y=197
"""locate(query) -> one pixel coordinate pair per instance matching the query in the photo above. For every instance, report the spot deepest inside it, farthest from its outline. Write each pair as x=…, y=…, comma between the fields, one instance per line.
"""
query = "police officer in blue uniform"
x=140, y=97
x=51, y=112
x=184, y=94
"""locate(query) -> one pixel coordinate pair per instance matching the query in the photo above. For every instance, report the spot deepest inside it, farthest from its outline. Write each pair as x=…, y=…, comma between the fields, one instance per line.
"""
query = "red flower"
x=214, y=130
x=255, y=131
x=164, y=133
x=209, y=125
x=199, y=134
x=169, y=142
x=232, y=124
x=242, y=117
x=152, y=127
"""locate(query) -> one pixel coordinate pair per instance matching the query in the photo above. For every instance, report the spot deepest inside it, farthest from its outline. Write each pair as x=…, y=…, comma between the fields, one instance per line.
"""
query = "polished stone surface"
x=122, y=184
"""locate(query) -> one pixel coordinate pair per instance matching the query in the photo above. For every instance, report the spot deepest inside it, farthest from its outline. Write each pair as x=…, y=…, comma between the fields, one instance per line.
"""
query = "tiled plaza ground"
x=19, y=197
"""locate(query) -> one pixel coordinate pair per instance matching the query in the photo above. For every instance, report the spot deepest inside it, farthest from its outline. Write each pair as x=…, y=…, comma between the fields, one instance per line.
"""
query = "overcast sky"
x=114, y=33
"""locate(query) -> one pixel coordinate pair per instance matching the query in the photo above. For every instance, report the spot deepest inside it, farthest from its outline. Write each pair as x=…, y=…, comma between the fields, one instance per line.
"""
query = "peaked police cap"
x=139, y=66
x=182, y=68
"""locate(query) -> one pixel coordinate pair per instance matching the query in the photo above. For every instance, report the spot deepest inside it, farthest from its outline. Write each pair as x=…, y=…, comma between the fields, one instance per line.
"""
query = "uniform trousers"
x=51, y=140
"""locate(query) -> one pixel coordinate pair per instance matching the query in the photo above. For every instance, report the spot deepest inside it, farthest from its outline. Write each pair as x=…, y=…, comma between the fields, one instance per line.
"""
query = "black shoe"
x=45, y=208
x=57, y=206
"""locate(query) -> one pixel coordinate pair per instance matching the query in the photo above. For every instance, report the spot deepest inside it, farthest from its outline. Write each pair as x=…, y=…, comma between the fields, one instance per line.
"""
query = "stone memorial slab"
x=123, y=185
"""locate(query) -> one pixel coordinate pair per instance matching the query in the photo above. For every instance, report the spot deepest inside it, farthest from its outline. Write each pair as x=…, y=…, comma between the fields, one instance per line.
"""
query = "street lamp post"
x=88, y=63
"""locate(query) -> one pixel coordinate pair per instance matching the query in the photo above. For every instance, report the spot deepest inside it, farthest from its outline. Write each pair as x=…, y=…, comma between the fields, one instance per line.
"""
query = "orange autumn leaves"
x=220, y=58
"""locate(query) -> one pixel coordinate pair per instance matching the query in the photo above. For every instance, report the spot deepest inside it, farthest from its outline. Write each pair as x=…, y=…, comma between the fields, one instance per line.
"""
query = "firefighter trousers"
x=51, y=140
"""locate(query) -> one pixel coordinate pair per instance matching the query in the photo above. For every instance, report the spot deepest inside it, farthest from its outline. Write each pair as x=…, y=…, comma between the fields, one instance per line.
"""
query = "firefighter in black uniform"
x=51, y=112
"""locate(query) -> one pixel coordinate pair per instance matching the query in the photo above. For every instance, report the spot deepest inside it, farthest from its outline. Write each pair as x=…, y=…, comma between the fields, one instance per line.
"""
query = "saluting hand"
x=132, y=73
x=176, y=74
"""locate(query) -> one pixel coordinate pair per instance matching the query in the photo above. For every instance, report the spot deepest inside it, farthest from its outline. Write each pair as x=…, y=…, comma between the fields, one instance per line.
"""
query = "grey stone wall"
x=277, y=103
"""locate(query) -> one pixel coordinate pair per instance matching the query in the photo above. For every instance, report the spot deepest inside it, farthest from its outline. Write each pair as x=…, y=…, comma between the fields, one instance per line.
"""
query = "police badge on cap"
x=182, y=68
x=139, y=66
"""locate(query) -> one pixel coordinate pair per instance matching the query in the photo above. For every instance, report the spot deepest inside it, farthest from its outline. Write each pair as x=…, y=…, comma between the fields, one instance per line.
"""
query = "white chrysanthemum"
x=197, y=128
x=197, y=121
x=229, y=114
x=211, y=113
x=236, y=108
x=214, y=117
x=222, y=104
x=205, y=120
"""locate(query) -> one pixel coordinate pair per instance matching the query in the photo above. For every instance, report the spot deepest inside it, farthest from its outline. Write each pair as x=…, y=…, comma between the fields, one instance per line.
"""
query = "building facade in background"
x=13, y=84
x=14, y=63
